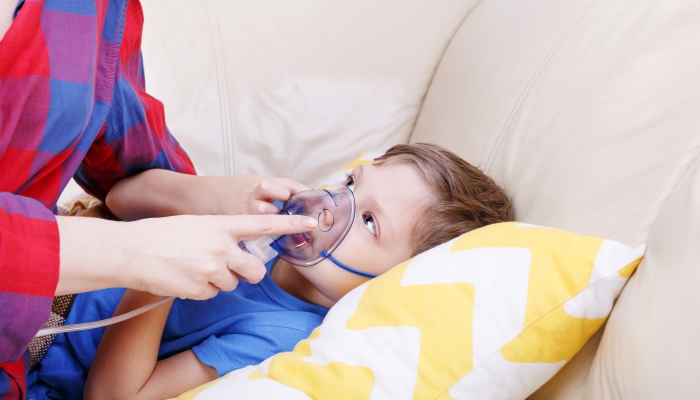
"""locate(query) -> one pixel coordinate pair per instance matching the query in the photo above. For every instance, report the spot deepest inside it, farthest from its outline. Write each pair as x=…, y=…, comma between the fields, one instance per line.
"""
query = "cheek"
x=355, y=250
x=358, y=250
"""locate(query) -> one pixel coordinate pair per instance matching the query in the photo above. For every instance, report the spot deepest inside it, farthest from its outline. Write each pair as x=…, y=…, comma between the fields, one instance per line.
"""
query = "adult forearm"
x=90, y=258
x=162, y=193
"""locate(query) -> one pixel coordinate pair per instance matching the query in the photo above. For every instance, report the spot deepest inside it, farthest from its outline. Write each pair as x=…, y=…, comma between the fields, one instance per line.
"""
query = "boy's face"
x=389, y=199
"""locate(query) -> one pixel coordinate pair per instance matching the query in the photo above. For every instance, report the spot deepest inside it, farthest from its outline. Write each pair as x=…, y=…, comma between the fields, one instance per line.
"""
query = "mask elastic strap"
x=345, y=267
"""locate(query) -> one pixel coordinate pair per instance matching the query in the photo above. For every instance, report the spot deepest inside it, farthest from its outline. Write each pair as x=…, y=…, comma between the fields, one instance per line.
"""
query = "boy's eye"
x=350, y=182
x=370, y=223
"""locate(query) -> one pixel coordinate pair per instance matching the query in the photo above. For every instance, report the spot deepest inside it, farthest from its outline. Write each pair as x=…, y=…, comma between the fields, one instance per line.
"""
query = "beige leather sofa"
x=586, y=111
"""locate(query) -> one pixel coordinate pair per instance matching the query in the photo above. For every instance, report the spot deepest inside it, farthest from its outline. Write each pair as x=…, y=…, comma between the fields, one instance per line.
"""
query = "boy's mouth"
x=301, y=239
x=335, y=211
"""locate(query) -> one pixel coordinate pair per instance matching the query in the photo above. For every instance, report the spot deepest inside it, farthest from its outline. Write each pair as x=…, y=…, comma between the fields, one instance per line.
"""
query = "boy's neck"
x=294, y=283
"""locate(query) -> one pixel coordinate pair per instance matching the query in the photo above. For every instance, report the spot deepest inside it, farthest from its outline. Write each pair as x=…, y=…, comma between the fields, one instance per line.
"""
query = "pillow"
x=492, y=314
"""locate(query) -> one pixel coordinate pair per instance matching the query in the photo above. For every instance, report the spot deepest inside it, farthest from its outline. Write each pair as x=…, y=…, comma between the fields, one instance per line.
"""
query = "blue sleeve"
x=231, y=352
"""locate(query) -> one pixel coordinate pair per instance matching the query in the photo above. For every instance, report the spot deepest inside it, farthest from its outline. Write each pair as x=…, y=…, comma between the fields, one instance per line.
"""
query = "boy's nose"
x=325, y=220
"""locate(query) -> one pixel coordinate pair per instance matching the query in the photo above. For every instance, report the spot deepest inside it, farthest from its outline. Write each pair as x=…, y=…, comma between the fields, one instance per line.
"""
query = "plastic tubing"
x=103, y=322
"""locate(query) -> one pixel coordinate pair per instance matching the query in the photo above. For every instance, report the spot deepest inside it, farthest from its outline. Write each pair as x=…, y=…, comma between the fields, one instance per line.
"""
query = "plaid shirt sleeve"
x=71, y=98
x=134, y=138
x=29, y=259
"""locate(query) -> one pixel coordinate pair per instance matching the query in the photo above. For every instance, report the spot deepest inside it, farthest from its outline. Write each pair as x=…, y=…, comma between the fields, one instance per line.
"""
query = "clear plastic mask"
x=335, y=211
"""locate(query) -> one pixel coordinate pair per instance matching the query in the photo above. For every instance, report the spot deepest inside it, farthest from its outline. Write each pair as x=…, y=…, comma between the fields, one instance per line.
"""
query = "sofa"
x=587, y=112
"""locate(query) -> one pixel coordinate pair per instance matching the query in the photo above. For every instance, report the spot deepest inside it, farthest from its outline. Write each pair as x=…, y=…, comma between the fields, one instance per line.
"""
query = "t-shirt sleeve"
x=234, y=351
x=135, y=137
x=29, y=267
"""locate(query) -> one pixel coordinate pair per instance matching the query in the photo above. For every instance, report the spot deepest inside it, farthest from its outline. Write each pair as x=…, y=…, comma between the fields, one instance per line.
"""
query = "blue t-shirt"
x=228, y=332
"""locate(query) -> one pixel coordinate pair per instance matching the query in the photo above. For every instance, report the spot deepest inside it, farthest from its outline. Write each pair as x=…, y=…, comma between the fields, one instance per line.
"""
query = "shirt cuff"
x=29, y=269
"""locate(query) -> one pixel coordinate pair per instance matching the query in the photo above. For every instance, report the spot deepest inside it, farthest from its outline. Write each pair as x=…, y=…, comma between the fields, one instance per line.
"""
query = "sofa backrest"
x=586, y=112
x=292, y=89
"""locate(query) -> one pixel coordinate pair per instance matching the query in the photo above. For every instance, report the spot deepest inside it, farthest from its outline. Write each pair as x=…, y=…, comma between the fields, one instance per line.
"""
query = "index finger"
x=249, y=226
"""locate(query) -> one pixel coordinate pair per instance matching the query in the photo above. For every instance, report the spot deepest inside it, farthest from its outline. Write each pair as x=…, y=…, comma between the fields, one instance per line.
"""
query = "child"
x=409, y=200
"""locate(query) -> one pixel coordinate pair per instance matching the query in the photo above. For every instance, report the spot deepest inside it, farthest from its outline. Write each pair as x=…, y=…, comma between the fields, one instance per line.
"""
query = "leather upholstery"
x=650, y=347
x=586, y=113
x=292, y=89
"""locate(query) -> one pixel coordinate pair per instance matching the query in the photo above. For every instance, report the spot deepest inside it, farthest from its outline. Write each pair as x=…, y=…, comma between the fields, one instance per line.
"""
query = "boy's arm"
x=126, y=366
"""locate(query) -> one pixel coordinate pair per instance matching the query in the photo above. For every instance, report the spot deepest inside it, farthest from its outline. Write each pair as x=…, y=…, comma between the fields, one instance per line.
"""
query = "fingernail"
x=310, y=222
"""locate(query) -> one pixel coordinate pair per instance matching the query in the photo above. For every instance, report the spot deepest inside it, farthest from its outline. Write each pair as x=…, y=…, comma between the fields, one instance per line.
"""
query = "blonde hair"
x=464, y=198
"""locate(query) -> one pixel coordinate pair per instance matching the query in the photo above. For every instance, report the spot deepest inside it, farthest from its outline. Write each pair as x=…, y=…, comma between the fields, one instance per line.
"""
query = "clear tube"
x=259, y=247
x=103, y=322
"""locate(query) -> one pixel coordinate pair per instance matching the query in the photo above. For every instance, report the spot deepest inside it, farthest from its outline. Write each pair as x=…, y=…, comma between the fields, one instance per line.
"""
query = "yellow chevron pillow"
x=492, y=314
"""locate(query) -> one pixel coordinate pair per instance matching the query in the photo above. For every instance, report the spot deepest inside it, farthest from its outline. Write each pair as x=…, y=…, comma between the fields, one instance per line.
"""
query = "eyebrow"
x=377, y=207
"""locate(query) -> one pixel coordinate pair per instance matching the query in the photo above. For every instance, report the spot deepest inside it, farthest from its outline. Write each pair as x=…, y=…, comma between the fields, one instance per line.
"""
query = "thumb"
x=246, y=267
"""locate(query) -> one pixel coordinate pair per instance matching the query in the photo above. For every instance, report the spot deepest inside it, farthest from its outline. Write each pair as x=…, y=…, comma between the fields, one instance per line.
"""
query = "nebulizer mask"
x=335, y=211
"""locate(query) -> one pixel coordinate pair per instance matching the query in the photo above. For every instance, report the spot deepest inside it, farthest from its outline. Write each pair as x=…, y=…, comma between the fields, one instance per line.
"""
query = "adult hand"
x=184, y=256
x=161, y=193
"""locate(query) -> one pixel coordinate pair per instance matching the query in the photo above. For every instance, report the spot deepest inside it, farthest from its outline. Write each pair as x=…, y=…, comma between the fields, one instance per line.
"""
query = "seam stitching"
x=437, y=66
x=114, y=55
x=222, y=88
x=684, y=168
x=501, y=136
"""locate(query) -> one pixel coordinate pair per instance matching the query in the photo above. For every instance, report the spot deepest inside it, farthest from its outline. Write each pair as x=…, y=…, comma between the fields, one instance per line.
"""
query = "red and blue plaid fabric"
x=72, y=103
